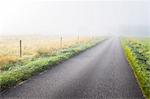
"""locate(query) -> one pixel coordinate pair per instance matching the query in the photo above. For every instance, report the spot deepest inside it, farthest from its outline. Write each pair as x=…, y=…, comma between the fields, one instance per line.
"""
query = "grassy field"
x=32, y=47
x=38, y=54
x=137, y=51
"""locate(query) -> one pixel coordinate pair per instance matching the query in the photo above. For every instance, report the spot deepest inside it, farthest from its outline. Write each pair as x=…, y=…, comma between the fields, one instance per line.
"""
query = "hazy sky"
x=109, y=17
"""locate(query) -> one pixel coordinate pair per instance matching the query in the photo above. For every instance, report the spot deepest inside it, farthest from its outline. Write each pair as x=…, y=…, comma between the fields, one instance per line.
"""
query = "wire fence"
x=30, y=46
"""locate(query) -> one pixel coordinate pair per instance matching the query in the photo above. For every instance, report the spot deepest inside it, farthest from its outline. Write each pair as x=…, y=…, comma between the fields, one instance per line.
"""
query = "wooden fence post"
x=20, y=48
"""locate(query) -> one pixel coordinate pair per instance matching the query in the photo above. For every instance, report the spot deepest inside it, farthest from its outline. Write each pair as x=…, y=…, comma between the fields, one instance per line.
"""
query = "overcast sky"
x=109, y=17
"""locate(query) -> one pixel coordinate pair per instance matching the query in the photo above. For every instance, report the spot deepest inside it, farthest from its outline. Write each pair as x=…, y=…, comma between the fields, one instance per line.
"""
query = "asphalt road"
x=101, y=72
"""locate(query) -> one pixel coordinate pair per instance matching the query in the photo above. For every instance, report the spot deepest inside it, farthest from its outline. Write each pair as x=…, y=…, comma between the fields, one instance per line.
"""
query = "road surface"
x=101, y=72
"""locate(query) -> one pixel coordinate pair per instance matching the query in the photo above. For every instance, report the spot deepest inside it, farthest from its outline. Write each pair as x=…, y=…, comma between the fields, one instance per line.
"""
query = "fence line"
x=24, y=47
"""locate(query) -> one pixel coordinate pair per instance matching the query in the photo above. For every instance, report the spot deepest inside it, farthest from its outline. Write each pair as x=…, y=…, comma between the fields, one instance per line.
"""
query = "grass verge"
x=20, y=73
x=136, y=54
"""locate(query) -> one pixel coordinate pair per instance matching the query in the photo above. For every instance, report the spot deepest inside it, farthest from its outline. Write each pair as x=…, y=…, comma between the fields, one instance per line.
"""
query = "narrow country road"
x=101, y=72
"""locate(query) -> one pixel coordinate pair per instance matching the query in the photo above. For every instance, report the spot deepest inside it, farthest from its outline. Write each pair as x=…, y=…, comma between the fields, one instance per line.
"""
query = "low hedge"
x=139, y=67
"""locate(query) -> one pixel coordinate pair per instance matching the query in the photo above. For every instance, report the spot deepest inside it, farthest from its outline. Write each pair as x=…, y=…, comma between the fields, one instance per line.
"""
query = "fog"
x=109, y=17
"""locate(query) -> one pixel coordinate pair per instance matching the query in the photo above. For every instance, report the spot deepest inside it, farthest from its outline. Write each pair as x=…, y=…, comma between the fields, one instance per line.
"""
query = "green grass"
x=138, y=55
x=27, y=69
